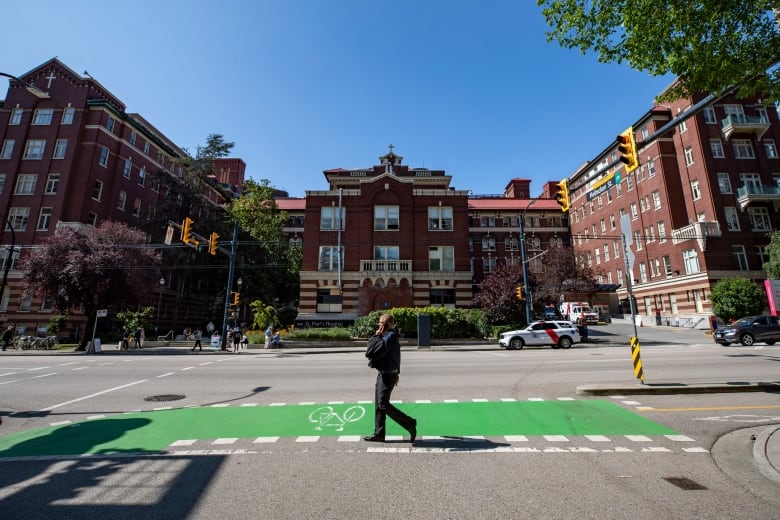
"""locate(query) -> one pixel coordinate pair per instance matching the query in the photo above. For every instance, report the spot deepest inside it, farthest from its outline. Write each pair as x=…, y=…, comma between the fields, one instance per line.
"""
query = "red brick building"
x=394, y=236
x=77, y=158
x=701, y=207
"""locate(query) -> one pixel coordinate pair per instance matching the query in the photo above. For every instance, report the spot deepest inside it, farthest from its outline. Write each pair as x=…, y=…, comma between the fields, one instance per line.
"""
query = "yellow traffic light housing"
x=213, y=243
x=562, y=195
x=186, y=233
x=627, y=149
x=520, y=292
x=236, y=297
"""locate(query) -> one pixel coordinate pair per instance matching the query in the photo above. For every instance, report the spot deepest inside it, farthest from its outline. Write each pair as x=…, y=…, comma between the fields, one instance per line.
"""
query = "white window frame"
x=52, y=183
x=34, y=149
x=441, y=258
x=44, y=219
x=732, y=218
x=770, y=148
x=440, y=218
x=25, y=184
x=16, y=116
x=331, y=218
x=67, y=115
x=42, y=116
x=743, y=149
x=103, y=158
x=759, y=219
x=695, y=190
x=330, y=258
x=386, y=218
x=60, y=149
x=716, y=149
x=8, y=148
x=724, y=182
x=97, y=190
x=18, y=218
x=691, y=261
x=740, y=257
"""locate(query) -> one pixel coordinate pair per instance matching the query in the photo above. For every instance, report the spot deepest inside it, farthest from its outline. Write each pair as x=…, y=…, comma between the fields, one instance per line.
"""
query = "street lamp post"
x=524, y=260
x=239, y=282
x=159, y=304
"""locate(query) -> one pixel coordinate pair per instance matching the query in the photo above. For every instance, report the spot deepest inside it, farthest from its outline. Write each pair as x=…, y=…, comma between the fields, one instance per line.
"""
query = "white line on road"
x=36, y=369
x=7, y=374
x=166, y=375
x=66, y=364
x=91, y=395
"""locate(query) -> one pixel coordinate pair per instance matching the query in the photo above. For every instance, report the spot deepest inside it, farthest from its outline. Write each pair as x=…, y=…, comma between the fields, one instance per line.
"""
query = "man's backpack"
x=376, y=350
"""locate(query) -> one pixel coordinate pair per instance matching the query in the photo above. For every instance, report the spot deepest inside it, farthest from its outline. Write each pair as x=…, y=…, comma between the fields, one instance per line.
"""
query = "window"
x=732, y=218
x=18, y=217
x=43, y=116
x=440, y=218
x=34, y=149
x=770, y=148
x=386, y=253
x=330, y=259
x=489, y=244
x=511, y=244
x=16, y=116
x=67, y=116
x=743, y=149
x=330, y=218
x=442, y=298
x=634, y=212
x=8, y=149
x=488, y=264
x=616, y=248
x=60, y=147
x=709, y=116
x=133, y=135
x=656, y=199
x=52, y=182
x=762, y=115
x=629, y=182
x=650, y=168
x=638, y=240
x=762, y=252
x=97, y=190
x=44, y=219
x=691, y=261
x=142, y=176
x=642, y=272
x=661, y=232
x=25, y=184
x=441, y=258
x=724, y=183
x=603, y=224
x=386, y=218
x=122, y=200
x=740, y=258
x=2, y=182
x=695, y=190
x=137, y=207
x=110, y=122
x=716, y=148
x=759, y=219
x=92, y=219
x=146, y=148
x=126, y=169
x=612, y=222
x=688, y=155
x=103, y=159
x=606, y=252
x=597, y=254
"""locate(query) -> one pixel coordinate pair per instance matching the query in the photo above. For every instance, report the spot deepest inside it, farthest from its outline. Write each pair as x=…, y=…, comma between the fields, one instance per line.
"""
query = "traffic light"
x=213, y=243
x=186, y=232
x=627, y=149
x=236, y=298
x=520, y=292
x=562, y=195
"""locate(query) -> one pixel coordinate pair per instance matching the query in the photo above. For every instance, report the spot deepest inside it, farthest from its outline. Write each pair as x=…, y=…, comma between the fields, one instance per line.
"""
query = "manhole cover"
x=164, y=397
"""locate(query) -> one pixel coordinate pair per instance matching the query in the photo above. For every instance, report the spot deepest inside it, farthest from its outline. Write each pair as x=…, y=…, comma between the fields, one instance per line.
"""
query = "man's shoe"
x=374, y=438
x=413, y=431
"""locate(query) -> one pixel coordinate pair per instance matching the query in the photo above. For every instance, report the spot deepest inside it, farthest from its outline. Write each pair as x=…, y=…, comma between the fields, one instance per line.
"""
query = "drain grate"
x=164, y=397
x=684, y=483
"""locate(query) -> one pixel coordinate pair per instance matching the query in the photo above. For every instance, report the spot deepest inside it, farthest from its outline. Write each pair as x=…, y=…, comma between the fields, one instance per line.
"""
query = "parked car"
x=749, y=331
x=558, y=334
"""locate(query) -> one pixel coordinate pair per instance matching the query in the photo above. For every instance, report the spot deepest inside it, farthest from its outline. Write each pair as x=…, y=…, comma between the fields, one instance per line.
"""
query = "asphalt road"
x=558, y=472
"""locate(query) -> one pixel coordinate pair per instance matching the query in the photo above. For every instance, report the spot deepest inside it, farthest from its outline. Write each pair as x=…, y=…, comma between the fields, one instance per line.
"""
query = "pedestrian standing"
x=8, y=335
x=197, y=345
x=388, y=367
x=269, y=332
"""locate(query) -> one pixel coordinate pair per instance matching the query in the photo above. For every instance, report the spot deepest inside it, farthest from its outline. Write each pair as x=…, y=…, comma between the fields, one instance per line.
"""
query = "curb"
x=678, y=388
x=765, y=448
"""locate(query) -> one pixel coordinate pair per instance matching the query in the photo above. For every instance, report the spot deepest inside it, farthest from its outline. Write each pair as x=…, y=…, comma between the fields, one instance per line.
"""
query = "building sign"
x=604, y=184
x=773, y=294
x=322, y=324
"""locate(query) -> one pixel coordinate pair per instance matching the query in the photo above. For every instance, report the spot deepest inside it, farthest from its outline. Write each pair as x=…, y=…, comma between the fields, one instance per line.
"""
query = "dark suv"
x=749, y=331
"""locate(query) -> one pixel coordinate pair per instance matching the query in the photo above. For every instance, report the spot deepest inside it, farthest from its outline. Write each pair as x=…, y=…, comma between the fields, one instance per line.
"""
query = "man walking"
x=388, y=366
x=8, y=335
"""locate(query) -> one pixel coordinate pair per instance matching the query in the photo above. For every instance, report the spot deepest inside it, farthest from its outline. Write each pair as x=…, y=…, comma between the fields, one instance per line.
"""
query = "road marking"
x=36, y=369
x=7, y=374
x=166, y=375
x=710, y=408
x=53, y=407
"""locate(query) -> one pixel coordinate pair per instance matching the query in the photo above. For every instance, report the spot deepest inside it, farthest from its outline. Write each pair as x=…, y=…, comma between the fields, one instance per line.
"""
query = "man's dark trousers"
x=385, y=382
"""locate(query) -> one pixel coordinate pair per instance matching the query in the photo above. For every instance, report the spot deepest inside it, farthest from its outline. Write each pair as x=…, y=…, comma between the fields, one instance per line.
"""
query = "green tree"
x=708, y=44
x=733, y=298
x=110, y=266
x=772, y=267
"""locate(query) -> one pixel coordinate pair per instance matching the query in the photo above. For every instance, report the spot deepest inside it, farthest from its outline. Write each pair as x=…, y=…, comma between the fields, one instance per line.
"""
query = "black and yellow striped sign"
x=635, y=357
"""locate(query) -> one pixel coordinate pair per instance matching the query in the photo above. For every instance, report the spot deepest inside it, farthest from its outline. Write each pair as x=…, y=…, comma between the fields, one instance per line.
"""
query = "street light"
x=159, y=304
x=32, y=89
x=239, y=282
x=524, y=260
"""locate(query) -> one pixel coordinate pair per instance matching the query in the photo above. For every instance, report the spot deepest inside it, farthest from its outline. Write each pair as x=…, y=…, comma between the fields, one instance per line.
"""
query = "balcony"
x=385, y=266
x=741, y=124
x=699, y=231
x=750, y=194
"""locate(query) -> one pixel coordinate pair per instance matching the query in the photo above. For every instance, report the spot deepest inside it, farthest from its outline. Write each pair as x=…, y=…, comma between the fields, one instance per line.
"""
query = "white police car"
x=558, y=334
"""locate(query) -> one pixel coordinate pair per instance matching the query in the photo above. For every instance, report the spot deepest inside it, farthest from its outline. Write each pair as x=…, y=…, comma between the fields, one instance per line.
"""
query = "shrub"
x=445, y=323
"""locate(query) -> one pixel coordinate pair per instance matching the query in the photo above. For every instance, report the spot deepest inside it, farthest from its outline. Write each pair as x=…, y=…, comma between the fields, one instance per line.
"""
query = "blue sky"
x=303, y=86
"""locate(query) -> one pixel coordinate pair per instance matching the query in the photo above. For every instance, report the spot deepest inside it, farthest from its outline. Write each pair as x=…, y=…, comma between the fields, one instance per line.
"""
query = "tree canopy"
x=772, y=267
x=734, y=298
x=709, y=45
x=110, y=266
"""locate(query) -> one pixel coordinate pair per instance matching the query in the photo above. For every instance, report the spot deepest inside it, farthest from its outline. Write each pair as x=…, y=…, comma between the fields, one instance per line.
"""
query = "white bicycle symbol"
x=326, y=417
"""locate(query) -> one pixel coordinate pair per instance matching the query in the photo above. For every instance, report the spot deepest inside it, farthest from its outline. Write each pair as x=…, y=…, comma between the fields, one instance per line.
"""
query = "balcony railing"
x=747, y=195
x=699, y=231
x=386, y=266
x=742, y=124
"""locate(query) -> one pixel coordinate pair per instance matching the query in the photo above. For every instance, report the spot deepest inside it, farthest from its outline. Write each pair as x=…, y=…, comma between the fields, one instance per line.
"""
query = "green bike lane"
x=156, y=431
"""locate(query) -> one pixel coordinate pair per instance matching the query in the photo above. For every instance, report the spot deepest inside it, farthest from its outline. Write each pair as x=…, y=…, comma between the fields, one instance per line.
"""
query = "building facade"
x=393, y=236
x=75, y=157
x=699, y=208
